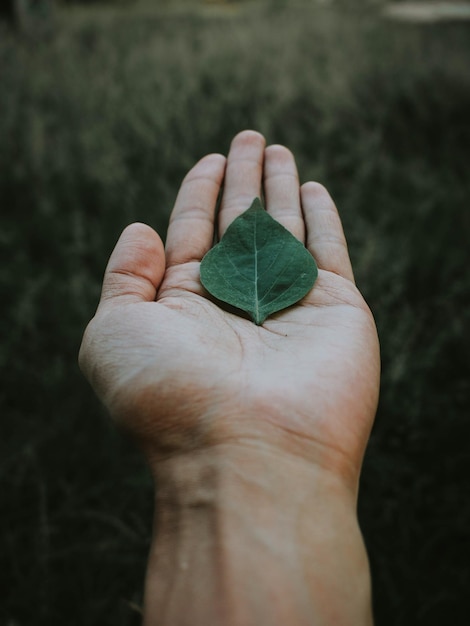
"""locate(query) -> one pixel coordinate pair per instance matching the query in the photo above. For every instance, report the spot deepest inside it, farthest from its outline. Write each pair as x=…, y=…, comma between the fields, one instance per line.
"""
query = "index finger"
x=191, y=227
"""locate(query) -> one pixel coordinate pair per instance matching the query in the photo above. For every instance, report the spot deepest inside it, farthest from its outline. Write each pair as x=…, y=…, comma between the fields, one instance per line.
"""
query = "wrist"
x=255, y=537
x=216, y=477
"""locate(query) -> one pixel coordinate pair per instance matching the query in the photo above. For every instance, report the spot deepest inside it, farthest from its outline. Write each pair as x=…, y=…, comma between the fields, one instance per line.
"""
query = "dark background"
x=103, y=109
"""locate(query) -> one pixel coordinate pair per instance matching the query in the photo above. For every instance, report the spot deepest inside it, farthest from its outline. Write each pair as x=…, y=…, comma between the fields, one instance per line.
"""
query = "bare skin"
x=255, y=435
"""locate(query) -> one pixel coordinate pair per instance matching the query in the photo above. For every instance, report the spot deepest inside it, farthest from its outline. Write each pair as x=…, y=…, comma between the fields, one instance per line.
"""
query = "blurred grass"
x=99, y=122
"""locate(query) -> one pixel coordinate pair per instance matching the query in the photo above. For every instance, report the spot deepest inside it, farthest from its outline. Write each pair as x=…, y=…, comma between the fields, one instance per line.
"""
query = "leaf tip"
x=256, y=205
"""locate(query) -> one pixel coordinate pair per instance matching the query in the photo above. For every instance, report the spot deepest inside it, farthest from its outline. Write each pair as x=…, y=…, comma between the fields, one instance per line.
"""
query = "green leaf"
x=258, y=266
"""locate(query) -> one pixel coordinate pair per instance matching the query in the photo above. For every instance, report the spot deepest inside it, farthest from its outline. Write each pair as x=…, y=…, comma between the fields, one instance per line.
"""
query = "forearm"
x=243, y=537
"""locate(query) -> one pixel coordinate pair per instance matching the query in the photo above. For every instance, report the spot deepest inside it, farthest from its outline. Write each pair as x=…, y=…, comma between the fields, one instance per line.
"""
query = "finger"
x=191, y=228
x=325, y=236
x=281, y=188
x=243, y=176
x=135, y=268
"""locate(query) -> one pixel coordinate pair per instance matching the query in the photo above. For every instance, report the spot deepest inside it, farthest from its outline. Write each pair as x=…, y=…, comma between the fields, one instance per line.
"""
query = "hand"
x=255, y=434
x=183, y=374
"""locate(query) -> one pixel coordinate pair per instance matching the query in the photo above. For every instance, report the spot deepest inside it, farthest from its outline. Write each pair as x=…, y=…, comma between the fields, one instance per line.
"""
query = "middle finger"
x=243, y=176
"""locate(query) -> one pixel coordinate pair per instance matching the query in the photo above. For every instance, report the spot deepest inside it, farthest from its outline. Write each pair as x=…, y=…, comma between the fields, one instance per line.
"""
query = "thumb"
x=135, y=268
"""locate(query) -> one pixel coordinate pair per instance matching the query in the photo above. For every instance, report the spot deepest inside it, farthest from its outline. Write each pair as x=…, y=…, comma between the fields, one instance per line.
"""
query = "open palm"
x=183, y=374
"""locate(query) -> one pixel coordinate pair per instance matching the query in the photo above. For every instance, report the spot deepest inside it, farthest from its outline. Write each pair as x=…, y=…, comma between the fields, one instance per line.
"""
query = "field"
x=100, y=118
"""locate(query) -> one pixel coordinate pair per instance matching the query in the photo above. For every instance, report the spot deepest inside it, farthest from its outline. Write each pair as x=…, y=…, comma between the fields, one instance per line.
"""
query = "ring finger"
x=282, y=190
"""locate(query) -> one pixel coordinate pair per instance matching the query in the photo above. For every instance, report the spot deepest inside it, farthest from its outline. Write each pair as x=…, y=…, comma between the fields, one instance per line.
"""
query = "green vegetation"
x=258, y=266
x=99, y=122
